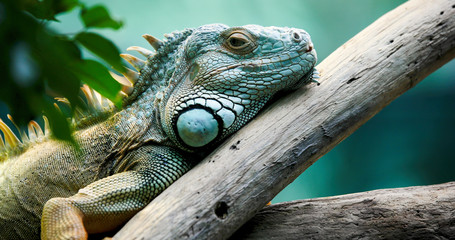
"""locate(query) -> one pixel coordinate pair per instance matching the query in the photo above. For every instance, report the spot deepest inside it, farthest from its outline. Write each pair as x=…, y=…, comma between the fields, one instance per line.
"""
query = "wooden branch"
x=361, y=77
x=401, y=213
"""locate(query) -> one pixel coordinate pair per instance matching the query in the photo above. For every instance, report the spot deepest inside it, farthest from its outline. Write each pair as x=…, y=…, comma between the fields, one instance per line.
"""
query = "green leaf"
x=59, y=124
x=97, y=76
x=55, y=55
x=98, y=17
x=60, y=6
x=47, y=9
x=102, y=47
x=58, y=60
x=67, y=47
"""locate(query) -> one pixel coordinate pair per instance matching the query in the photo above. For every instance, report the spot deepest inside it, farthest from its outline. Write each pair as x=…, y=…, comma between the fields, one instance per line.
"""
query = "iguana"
x=199, y=86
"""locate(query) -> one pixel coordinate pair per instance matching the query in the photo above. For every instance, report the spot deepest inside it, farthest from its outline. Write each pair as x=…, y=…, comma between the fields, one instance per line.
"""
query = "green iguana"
x=198, y=87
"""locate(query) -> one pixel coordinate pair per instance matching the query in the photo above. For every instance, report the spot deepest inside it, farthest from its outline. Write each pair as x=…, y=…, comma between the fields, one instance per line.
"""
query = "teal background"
x=409, y=143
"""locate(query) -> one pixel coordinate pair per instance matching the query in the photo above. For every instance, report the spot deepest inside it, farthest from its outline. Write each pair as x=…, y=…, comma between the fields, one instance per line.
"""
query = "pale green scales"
x=200, y=86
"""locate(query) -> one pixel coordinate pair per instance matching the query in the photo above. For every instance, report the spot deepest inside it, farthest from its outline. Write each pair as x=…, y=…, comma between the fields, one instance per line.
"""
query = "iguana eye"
x=240, y=42
x=237, y=41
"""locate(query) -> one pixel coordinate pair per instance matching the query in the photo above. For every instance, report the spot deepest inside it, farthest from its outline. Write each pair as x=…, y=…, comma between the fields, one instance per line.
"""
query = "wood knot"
x=221, y=210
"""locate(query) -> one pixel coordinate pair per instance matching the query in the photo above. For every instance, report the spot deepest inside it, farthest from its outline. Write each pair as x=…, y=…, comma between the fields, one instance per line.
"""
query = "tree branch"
x=360, y=78
x=401, y=213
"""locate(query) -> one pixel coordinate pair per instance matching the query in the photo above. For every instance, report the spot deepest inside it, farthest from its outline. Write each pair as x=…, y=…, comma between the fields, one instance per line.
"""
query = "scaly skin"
x=202, y=85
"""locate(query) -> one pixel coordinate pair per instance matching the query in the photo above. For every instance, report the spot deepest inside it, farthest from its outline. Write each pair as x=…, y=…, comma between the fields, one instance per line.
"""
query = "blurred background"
x=408, y=143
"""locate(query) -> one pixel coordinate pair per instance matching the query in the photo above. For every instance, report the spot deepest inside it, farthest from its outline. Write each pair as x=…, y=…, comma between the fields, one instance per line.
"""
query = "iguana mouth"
x=309, y=47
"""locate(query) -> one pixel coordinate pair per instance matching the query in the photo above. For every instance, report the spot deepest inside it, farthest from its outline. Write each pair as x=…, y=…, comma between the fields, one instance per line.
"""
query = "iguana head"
x=219, y=77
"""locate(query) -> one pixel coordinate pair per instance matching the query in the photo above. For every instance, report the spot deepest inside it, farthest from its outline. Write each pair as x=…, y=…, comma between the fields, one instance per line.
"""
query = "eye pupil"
x=235, y=42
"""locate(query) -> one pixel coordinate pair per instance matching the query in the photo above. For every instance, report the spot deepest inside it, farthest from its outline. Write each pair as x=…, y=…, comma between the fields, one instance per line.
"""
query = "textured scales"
x=200, y=86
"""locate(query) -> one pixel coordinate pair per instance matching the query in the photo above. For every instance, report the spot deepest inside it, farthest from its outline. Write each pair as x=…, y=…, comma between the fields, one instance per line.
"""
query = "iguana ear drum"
x=198, y=127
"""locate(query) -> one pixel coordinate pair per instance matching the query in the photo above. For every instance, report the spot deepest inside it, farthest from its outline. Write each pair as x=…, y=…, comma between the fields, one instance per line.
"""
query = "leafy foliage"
x=108, y=51
x=38, y=64
x=98, y=17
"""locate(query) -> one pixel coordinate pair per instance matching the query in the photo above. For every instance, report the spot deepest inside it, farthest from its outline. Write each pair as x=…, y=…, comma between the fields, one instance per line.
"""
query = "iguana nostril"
x=296, y=36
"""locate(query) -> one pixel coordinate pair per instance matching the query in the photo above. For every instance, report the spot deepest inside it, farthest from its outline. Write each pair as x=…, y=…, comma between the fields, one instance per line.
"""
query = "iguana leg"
x=111, y=201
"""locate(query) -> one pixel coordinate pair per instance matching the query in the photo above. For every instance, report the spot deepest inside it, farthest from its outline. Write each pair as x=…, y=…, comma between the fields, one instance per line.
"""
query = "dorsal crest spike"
x=47, y=128
x=97, y=107
x=127, y=89
x=153, y=41
x=2, y=146
x=131, y=75
x=123, y=95
x=137, y=63
x=22, y=134
x=96, y=103
x=36, y=128
x=91, y=97
x=11, y=139
x=145, y=52
x=63, y=101
x=120, y=79
x=58, y=108
x=32, y=133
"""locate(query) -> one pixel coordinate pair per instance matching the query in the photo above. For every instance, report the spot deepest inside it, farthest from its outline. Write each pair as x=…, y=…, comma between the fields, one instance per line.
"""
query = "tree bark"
x=403, y=213
x=361, y=77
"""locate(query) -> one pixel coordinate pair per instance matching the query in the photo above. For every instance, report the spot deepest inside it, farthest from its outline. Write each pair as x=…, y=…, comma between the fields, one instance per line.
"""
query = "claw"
x=315, y=76
x=315, y=81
